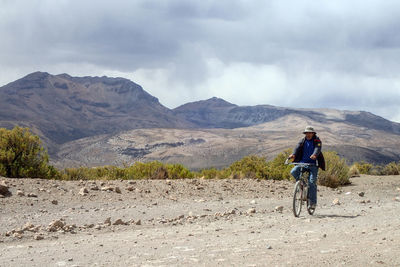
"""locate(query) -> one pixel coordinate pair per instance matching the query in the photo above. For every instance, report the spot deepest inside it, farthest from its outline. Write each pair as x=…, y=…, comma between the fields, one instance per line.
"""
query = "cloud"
x=345, y=55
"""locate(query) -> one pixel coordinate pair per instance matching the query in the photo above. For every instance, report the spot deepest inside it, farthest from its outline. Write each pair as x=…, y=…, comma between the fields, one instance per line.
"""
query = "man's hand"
x=313, y=157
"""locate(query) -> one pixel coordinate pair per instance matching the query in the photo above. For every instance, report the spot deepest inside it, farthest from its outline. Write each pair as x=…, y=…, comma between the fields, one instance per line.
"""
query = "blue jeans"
x=312, y=181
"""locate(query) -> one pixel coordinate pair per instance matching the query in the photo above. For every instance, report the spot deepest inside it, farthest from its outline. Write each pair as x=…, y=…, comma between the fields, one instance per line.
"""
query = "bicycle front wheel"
x=297, y=198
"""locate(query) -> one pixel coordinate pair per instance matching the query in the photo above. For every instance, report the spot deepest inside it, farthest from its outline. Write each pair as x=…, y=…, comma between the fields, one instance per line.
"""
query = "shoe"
x=312, y=206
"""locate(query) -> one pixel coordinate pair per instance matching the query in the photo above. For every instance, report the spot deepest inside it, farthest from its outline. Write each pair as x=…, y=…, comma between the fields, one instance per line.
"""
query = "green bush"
x=391, y=169
x=363, y=167
x=353, y=171
x=22, y=155
x=277, y=168
x=336, y=173
x=250, y=167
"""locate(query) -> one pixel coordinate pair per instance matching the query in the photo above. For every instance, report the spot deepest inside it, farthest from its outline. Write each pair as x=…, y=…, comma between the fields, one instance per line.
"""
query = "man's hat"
x=309, y=129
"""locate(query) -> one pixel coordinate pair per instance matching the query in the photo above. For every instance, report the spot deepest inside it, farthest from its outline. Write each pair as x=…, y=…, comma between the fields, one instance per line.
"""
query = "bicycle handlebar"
x=300, y=163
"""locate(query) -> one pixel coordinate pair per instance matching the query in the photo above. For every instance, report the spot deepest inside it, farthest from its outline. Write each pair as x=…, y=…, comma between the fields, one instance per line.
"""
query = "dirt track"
x=198, y=222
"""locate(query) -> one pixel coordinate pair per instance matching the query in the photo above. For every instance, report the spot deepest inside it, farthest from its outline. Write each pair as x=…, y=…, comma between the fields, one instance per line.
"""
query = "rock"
x=119, y=222
x=83, y=191
x=4, y=190
x=32, y=195
x=268, y=247
x=54, y=202
x=397, y=199
x=98, y=227
x=139, y=222
x=56, y=225
x=130, y=188
x=107, y=188
x=253, y=202
x=279, y=208
x=28, y=227
x=336, y=201
x=251, y=211
x=361, y=194
x=108, y=221
x=20, y=193
x=94, y=187
x=117, y=190
x=38, y=237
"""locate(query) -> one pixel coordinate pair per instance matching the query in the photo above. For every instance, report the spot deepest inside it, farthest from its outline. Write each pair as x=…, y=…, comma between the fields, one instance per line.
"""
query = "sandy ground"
x=197, y=223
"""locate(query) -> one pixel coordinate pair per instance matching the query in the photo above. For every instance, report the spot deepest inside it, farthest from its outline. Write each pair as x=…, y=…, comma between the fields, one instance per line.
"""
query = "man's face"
x=309, y=136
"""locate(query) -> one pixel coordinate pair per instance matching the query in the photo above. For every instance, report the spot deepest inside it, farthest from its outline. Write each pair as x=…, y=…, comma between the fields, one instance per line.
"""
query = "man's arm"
x=317, y=148
x=296, y=149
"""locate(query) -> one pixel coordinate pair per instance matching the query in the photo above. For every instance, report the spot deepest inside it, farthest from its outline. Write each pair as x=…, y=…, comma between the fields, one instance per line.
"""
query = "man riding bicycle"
x=308, y=150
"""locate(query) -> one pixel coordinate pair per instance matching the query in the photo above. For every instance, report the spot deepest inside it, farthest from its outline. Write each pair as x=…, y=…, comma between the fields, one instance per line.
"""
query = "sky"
x=309, y=54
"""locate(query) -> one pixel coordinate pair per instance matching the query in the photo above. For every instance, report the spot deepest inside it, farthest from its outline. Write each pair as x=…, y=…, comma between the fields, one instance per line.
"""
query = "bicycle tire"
x=297, y=198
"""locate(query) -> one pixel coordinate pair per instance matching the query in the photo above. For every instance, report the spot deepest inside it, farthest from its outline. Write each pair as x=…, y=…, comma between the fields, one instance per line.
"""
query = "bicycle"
x=300, y=192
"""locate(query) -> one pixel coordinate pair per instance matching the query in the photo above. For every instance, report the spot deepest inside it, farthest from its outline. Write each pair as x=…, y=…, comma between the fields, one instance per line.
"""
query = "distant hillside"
x=65, y=108
x=101, y=120
x=217, y=113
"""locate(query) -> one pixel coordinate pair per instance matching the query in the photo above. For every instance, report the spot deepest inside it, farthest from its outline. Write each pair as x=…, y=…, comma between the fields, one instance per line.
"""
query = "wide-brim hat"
x=309, y=129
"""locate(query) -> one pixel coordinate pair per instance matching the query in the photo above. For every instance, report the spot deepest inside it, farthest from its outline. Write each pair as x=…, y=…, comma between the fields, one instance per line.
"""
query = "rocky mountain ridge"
x=64, y=109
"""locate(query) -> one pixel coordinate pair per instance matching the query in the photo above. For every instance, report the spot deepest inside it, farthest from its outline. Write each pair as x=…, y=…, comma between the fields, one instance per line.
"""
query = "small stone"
x=253, y=201
x=397, y=199
x=336, y=201
x=4, y=189
x=98, y=227
x=130, y=188
x=117, y=190
x=94, y=187
x=54, y=202
x=38, y=237
x=139, y=222
x=108, y=221
x=324, y=235
x=55, y=226
x=279, y=208
x=269, y=247
x=107, y=188
x=250, y=211
x=20, y=193
x=32, y=195
x=361, y=194
x=83, y=191
x=28, y=226
x=119, y=222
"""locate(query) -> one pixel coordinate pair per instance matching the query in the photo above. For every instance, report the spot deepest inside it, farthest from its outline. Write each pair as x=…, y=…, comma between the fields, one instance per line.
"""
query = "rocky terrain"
x=242, y=222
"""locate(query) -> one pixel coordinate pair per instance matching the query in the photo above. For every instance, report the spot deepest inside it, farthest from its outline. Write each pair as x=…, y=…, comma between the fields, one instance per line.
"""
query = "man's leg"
x=295, y=172
x=312, y=181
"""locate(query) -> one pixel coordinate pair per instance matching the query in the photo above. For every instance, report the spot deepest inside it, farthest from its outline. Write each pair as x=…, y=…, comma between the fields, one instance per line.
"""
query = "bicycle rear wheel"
x=297, y=198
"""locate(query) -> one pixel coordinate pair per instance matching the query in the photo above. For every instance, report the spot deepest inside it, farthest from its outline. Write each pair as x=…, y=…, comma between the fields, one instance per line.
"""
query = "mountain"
x=101, y=120
x=217, y=113
x=63, y=108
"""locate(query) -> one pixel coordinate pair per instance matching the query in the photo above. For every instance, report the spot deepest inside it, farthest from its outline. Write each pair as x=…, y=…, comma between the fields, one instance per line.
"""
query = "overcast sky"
x=336, y=54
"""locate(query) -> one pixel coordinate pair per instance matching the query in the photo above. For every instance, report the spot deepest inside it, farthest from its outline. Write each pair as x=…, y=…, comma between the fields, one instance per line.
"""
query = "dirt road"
x=197, y=222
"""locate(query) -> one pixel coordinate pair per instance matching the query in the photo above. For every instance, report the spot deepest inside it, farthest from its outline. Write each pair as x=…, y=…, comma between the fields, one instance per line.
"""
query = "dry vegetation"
x=22, y=156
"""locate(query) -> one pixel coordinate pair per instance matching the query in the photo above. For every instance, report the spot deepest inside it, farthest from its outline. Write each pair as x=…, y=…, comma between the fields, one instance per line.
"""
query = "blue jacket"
x=298, y=151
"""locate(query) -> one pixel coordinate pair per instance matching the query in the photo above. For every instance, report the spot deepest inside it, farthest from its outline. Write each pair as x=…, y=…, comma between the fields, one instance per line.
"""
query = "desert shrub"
x=391, y=169
x=363, y=167
x=336, y=173
x=277, y=168
x=353, y=171
x=95, y=173
x=250, y=167
x=22, y=155
x=177, y=171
